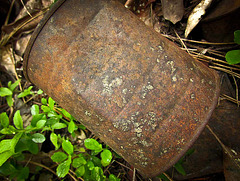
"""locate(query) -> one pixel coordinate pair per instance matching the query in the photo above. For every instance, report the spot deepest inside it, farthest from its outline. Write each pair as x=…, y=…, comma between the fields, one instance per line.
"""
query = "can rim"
x=36, y=33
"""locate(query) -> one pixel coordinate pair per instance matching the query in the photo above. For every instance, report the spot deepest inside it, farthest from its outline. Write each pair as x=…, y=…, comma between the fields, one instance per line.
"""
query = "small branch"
x=226, y=150
x=134, y=174
x=183, y=44
x=123, y=165
x=236, y=90
x=26, y=8
x=199, y=42
x=128, y=3
x=9, y=13
x=224, y=96
x=225, y=70
x=40, y=165
x=166, y=175
x=73, y=176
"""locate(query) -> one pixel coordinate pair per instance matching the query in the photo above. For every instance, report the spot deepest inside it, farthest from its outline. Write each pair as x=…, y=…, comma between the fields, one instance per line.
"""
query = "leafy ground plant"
x=233, y=56
x=85, y=162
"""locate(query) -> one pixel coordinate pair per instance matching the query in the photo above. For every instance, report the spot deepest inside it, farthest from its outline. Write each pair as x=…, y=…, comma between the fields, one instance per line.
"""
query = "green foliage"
x=16, y=140
x=26, y=92
x=8, y=92
x=106, y=156
x=93, y=145
x=233, y=56
x=67, y=147
x=59, y=157
x=178, y=166
x=63, y=168
x=5, y=92
x=7, y=148
x=163, y=177
x=113, y=178
x=4, y=120
x=17, y=120
x=38, y=138
x=54, y=140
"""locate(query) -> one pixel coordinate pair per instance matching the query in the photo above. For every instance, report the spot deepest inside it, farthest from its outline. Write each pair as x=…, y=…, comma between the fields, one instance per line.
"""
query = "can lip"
x=36, y=33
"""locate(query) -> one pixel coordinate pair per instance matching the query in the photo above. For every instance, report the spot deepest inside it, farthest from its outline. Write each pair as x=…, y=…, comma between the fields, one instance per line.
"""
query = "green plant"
x=87, y=161
x=85, y=164
x=8, y=92
x=233, y=56
x=178, y=166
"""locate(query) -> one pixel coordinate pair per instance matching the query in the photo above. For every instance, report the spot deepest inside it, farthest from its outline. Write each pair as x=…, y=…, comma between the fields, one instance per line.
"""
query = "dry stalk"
x=225, y=149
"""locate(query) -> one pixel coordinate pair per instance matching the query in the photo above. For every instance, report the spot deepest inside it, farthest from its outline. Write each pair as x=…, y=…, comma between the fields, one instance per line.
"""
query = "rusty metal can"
x=137, y=91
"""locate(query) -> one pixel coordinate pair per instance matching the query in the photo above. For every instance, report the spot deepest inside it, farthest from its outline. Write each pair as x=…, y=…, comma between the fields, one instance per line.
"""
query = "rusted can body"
x=134, y=89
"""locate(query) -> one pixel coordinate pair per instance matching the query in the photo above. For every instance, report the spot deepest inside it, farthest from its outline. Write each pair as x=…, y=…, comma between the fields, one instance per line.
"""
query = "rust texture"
x=137, y=91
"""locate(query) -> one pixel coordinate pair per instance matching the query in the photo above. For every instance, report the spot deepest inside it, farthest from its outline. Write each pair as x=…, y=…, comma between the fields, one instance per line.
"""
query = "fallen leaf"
x=47, y=3
x=16, y=28
x=196, y=15
x=173, y=10
x=21, y=44
x=7, y=59
x=29, y=7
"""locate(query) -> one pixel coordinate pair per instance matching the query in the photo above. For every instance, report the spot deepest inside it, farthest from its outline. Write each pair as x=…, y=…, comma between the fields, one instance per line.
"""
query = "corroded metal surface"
x=137, y=91
x=208, y=157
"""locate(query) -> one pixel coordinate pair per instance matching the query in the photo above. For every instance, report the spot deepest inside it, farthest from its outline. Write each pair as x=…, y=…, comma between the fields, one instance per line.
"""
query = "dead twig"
x=7, y=37
x=198, y=42
x=166, y=175
x=226, y=150
x=128, y=3
x=226, y=71
x=224, y=96
x=183, y=44
x=40, y=165
x=26, y=8
x=235, y=82
x=9, y=12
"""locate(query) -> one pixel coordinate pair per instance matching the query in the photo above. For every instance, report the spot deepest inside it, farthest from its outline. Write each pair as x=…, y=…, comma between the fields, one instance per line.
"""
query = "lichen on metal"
x=137, y=91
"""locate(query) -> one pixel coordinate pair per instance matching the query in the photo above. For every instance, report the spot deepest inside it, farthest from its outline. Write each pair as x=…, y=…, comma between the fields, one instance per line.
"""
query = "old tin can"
x=143, y=96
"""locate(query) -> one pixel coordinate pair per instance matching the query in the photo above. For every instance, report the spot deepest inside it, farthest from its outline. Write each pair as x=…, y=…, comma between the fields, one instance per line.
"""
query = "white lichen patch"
x=172, y=66
x=123, y=124
x=192, y=96
x=87, y=113
x=108, y=85
x=144, y=164
x=99, y=118
x=164, y=151
x=124, y=91
x=145, y=143
x=160, y=48
x=152, y=122
x=146, y=89
x=182, y=141
x=151, y=48
x=174, y=78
